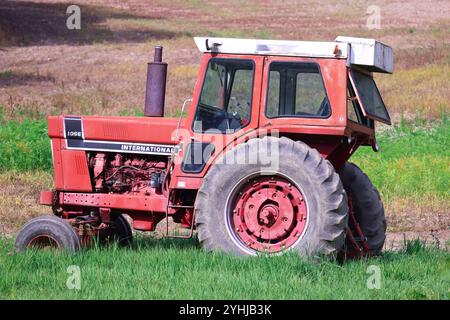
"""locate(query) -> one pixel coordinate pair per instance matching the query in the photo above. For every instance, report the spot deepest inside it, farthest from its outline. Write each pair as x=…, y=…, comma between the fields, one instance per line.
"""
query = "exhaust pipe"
x=156, y=86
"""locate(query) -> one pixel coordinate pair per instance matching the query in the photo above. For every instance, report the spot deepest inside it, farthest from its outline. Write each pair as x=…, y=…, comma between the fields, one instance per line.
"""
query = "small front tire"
x=120, y=231
x=47, y=232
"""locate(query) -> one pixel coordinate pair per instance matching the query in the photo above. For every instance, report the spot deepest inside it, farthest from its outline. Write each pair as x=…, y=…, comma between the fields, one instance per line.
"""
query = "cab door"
x=225, y=108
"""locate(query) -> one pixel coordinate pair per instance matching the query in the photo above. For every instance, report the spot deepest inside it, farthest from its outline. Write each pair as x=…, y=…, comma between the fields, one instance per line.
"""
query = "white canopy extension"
x=367, y=53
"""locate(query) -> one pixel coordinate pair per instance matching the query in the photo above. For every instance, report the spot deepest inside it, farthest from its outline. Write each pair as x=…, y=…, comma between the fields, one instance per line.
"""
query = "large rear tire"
x=367, y=205
x=246, y=208
x=47, y=232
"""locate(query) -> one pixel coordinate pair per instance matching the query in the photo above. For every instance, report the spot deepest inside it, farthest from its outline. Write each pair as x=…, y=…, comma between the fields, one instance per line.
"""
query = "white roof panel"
x=273, y=47
x=369, y=54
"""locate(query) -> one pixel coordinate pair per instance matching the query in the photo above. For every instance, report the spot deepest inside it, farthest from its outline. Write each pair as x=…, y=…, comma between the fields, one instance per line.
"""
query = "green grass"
x=169, y=269
x=414, y=160
x=25, y=146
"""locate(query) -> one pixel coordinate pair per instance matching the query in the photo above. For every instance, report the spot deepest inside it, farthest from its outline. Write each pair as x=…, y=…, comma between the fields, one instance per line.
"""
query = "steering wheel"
x=219, y=116
x=210, y=109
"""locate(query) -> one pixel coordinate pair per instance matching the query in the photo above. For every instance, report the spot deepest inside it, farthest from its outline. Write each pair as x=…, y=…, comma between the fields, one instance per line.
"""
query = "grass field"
x=169, y=269
x=46, y=69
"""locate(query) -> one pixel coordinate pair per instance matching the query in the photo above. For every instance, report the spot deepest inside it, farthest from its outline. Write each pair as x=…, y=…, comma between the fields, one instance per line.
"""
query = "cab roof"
x=368, y=54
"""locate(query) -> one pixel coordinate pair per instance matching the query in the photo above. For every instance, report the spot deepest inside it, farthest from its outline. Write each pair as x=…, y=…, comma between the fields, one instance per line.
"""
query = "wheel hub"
x=268, y=214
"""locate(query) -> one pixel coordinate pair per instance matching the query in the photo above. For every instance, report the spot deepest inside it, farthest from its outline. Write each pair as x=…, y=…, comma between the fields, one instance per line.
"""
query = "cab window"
x=354, y=112
x=226, y=97
x=369, y=96
x=296, y=90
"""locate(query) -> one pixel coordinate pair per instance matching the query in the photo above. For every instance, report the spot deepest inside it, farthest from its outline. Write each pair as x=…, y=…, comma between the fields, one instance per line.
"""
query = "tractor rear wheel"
x=367, y=206
x=47, y=232
x=245, y=207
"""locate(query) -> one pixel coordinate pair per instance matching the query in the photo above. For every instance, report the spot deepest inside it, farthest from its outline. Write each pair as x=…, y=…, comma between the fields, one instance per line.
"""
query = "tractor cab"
x=295, y=87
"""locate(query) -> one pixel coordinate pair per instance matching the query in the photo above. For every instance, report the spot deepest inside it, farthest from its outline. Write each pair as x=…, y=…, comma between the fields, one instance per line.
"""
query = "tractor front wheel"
x=120, y=231
x=47, y=232
x=247, y=206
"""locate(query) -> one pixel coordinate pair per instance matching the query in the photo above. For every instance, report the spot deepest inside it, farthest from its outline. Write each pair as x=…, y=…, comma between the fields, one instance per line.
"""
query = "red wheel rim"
x=44, y=242
x=268, y=214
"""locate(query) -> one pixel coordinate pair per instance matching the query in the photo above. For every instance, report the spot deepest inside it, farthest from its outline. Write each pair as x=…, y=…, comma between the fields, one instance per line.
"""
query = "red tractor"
x=259, y=165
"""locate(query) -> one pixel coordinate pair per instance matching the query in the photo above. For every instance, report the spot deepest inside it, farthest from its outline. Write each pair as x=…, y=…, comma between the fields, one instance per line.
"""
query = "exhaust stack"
x=156, y=85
